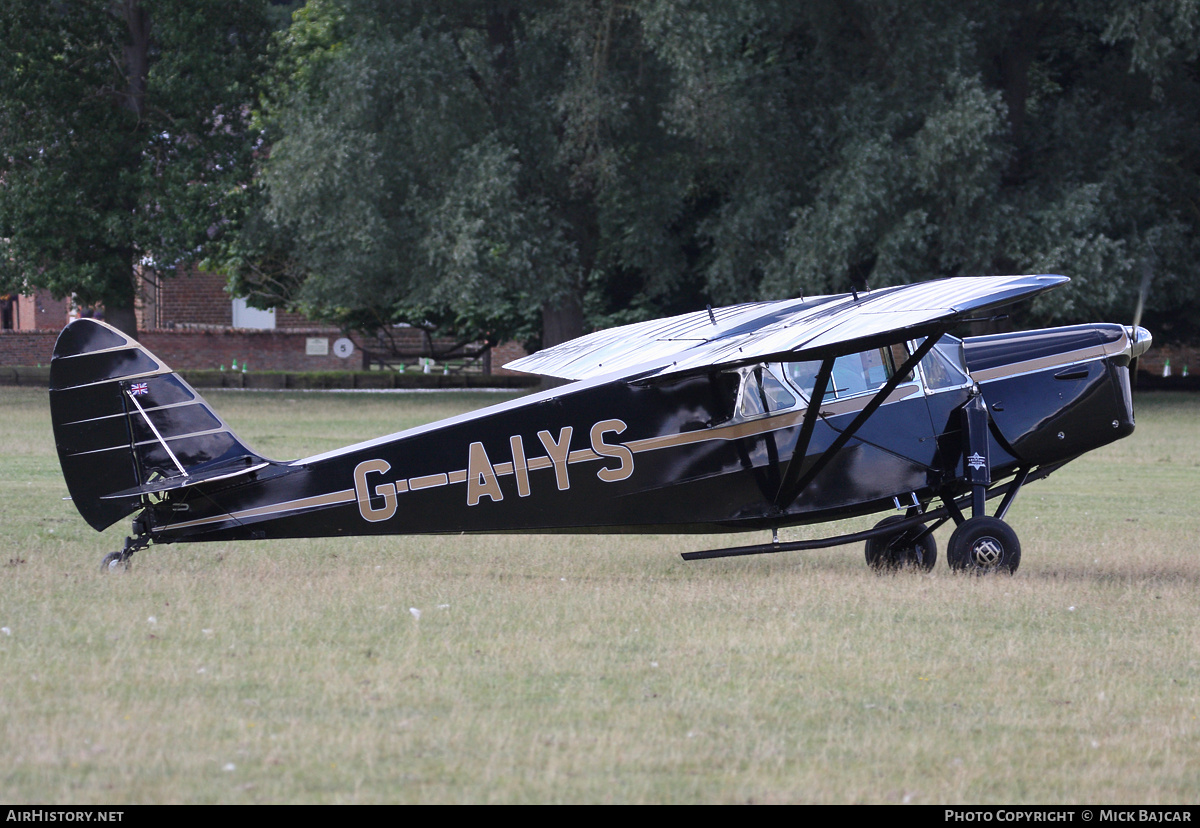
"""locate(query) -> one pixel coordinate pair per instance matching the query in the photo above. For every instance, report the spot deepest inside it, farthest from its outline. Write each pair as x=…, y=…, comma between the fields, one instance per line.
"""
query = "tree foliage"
x=123, y=127
x=463, y=165
x=536, y=168
x=884, y=142
x=601, y=162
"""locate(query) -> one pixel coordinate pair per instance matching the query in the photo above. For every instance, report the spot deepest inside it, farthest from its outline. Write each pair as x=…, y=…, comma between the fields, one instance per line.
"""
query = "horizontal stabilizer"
x=211, y=475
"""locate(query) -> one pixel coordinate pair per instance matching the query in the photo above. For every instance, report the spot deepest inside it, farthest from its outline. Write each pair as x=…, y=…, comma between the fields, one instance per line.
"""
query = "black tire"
x=888, y=552
x=984, y=544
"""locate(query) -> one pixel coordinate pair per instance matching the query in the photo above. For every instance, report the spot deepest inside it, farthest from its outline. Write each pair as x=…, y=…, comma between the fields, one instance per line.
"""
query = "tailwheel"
x=984, y=544
x=119, y=561
x=114, y=562
x=899, y=550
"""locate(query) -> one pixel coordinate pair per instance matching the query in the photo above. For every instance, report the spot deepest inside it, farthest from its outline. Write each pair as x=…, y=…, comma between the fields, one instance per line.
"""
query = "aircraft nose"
x=1139, y=340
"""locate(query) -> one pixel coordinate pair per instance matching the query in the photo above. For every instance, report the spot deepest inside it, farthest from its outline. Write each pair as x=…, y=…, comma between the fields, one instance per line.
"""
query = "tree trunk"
x=119, y=300
x=137, y=56
x=1014, y=61
x=562, y=319
x=122, y=318
x=118, y=305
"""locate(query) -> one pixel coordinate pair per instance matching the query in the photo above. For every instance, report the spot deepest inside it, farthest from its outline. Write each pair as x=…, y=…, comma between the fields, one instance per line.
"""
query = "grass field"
x=599, y=669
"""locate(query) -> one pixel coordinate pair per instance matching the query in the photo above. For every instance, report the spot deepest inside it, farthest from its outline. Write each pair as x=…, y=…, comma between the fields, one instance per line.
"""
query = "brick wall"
x=278, y=350
x=26, y=347
x=1181, y=357
x=263, y=350
x=185, y=319
x=190, y=296
x=285, y=320
x=506, y=352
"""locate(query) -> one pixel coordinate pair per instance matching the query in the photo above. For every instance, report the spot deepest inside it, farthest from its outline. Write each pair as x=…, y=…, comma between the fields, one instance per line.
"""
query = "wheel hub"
x=987, y=552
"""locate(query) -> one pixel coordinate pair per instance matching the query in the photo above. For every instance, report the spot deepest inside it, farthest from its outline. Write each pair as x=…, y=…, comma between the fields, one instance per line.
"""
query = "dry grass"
x=597, y=669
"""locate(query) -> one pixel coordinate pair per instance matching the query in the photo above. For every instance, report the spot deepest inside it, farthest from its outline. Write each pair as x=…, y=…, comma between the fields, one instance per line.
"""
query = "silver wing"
x=791, y=328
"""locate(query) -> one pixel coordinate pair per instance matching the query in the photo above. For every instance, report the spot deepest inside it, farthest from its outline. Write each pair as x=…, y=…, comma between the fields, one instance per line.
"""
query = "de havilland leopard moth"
x=751, y=417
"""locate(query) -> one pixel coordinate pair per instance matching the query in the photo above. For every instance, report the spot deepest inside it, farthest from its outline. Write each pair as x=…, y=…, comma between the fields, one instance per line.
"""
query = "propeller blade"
x=1136, y=330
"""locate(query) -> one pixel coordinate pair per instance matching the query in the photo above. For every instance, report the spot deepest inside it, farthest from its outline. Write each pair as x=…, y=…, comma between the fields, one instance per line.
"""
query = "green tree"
x=474, y=165
x=123, y=128
x=879, y=141
x=507, y=167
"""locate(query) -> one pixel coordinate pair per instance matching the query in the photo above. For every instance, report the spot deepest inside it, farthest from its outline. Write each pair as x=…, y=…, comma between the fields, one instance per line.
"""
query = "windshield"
x=762, y=393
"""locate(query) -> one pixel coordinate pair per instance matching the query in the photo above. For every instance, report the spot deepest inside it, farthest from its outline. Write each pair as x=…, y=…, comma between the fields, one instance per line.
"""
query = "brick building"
x=33, y=312
x=193, y=298
x=192, y=322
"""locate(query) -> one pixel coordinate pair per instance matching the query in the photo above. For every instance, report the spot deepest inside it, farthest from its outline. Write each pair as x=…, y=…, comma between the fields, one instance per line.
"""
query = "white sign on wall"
x=245, y=316
x=316, y=346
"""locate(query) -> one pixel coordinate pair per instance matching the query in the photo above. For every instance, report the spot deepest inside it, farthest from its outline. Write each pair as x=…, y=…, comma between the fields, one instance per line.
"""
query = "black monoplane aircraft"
x=754, y=416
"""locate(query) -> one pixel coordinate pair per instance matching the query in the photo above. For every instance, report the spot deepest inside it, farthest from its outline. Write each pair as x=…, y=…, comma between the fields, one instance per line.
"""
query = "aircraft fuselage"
x=699, y=453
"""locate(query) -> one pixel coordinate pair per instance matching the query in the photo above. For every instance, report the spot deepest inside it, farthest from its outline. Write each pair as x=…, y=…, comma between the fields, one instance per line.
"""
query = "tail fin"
x=127, y=427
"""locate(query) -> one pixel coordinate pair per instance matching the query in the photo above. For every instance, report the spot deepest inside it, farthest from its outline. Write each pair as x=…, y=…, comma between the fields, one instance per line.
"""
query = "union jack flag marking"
x=139, y=388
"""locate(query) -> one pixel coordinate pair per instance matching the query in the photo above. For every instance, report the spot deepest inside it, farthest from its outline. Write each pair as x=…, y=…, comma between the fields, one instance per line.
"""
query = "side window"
x=859, y=373
x=853, y=374
x=802, y=376
x=900, y=353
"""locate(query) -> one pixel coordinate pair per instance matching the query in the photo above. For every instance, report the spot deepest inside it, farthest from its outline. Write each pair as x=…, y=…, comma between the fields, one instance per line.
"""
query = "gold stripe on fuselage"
x=314, y=502
x=735, y=431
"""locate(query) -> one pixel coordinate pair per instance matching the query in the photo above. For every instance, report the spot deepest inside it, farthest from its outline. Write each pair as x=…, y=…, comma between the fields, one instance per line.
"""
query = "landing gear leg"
x=982, y=544
x=976, y=460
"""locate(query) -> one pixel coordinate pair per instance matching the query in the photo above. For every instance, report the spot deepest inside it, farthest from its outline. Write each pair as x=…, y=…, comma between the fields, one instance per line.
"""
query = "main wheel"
x=984, y=544
x=897, y=550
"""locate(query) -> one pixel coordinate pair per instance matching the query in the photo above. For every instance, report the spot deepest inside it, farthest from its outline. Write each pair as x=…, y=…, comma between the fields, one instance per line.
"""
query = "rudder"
x=126, y=426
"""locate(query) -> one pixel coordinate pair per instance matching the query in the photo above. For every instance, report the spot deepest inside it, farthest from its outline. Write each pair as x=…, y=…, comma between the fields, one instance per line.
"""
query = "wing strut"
x=796, y=464
x=789, y=491
x=977, y=465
